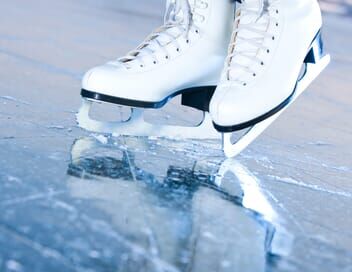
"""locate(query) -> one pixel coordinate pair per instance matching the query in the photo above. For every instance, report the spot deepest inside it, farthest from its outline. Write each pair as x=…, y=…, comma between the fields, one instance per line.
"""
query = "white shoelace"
x=250, y=32
x=178, y=20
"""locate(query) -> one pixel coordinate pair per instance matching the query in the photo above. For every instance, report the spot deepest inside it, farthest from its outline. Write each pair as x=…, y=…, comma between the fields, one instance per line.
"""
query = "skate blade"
x=232, y=149
x=137, y=126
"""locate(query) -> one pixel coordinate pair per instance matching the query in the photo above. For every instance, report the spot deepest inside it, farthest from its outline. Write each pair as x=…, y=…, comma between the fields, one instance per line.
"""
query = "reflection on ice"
x=253, y=197
x=178, y=215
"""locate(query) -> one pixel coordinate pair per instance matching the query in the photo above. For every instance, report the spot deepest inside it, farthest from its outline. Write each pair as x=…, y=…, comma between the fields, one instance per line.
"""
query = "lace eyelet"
x=166, y=57
x=197, y=31
x=277, y=24
x=254, y=74
x=262, y=63
x=154, y=62
x=277, y=11
x=273, y=38
x=245, y=84
x=268, y=51
x=178, y=49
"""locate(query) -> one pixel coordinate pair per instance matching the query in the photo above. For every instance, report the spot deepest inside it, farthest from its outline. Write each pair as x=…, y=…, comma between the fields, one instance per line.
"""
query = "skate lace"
x=179, y=18
x=244, y=51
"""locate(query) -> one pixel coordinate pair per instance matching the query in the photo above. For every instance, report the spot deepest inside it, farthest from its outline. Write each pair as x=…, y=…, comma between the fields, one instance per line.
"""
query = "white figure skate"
x=263, y=75
x=183, y=57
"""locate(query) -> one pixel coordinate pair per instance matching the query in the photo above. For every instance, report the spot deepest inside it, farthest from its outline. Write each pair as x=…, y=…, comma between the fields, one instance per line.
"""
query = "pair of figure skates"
x=274, y=53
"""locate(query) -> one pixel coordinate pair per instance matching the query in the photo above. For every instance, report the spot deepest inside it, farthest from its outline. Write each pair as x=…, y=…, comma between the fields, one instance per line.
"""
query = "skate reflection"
x=178, y=216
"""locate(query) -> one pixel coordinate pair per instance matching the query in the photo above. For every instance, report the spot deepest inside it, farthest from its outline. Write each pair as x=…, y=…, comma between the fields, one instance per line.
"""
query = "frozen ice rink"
x=71, y=200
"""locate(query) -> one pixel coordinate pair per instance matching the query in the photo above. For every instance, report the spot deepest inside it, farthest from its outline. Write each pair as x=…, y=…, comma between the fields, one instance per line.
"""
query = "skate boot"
x=184, y=57
x=275, y=53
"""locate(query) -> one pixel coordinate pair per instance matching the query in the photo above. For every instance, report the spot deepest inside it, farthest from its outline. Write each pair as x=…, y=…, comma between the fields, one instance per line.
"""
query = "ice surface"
x=75, y=201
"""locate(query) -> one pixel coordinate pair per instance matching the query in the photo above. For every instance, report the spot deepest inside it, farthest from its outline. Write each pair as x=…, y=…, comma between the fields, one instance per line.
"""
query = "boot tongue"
x=252, y=13
x=177, y=20
x=176, y=14
x=254, y=9
x=254, y=3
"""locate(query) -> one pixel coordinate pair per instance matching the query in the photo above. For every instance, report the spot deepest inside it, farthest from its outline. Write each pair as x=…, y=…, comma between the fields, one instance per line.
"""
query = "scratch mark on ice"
x=102, y=227
x=30, y=198
x=13, y=99
x=42, y=65
x=292, y=181
x=41, y=249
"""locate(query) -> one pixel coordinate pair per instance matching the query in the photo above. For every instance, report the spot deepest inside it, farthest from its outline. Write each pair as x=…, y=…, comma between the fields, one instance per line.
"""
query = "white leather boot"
x=187, y=52
x=271, y=41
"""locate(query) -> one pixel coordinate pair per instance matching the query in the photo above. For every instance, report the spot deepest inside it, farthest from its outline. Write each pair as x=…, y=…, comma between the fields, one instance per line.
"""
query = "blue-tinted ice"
x=76, y=201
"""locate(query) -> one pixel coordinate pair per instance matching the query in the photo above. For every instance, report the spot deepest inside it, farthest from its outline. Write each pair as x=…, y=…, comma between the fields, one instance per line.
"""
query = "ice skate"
x=276, y=51
x=184, y=57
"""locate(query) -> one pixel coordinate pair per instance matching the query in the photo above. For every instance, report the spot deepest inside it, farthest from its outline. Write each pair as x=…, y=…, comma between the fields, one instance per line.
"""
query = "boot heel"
x=198, y=98
x=316, y=50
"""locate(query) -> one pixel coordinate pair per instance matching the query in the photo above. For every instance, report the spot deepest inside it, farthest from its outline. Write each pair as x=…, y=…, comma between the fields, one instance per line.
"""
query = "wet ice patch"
x=209, y=235
x=13, y=179
x=13, y=265
x=94, y=254
x=56, y=156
